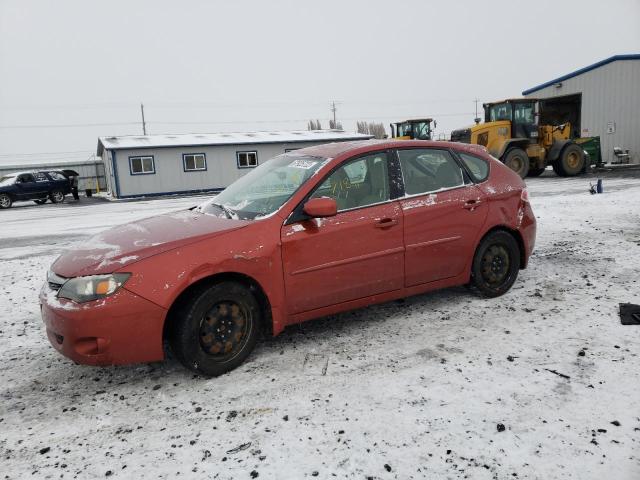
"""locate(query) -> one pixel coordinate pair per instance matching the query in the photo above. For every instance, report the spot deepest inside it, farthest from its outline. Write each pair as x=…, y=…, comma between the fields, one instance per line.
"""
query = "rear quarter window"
x=478, y=167
x=56, y=176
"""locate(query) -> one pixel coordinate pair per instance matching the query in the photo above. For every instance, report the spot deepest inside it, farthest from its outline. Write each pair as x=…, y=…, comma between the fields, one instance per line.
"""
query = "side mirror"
x=321, y=207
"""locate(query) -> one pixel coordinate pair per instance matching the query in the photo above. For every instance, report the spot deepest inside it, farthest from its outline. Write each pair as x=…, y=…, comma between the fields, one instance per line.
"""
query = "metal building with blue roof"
x=607, y=97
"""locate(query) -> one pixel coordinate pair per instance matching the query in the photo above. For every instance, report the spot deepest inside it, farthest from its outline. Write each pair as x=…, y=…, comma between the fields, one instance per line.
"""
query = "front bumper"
x=119, y=329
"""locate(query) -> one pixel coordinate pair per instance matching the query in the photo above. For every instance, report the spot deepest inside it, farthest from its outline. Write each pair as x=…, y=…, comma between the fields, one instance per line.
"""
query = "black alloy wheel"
x=496, y=264
x=215, y=327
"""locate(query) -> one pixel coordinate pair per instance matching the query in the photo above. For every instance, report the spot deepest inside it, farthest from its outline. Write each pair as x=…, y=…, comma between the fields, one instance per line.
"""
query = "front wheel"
x=5, y=201
x=216, y=328
x=56, y=196
x=571, y=161
x=517, y=160
x=496, y=264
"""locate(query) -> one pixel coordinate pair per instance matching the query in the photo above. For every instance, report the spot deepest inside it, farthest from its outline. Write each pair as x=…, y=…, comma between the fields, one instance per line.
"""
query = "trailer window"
x=142, y=165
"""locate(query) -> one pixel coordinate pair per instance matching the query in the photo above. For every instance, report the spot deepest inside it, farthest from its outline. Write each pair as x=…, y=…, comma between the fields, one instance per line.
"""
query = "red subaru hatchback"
x=308, y=233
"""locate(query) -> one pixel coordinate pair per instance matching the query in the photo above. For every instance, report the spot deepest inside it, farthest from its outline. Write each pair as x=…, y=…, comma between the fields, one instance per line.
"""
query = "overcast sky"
x=71, y=71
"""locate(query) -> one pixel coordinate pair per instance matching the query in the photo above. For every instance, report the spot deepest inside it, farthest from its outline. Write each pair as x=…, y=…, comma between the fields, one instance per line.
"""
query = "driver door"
x=357, y=253
x=26, y=187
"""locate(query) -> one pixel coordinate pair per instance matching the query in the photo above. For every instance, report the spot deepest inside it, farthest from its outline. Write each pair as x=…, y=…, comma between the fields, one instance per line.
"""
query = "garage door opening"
x=559, y=110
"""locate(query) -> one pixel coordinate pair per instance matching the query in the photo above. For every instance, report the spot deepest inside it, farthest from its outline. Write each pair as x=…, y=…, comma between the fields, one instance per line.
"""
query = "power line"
x=22, y=154
x=71, y=125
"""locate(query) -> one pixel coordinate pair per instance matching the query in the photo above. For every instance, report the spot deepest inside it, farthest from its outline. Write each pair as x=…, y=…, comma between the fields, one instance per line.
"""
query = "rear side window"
x=56, y=176
x=478, y=167
x=429, y=170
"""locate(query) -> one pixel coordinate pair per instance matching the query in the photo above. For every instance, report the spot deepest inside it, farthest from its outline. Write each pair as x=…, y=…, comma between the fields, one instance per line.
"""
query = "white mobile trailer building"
x=607, y=98
x=153, y=165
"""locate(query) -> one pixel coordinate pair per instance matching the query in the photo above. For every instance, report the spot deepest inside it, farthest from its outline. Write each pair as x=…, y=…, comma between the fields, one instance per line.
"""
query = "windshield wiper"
x=227, y=211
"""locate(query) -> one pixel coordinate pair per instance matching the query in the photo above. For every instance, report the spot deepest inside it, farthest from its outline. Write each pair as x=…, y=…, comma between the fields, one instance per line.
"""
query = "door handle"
x=386, y=223
x=472, y=204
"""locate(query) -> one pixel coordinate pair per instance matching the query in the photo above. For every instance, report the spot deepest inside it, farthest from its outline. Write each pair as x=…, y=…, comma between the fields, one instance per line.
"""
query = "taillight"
x=524, y=196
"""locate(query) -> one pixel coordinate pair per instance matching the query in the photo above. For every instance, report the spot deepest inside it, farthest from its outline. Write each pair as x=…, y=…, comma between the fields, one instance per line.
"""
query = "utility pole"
x=333, y=109
x=476, y=119
x=144, y=125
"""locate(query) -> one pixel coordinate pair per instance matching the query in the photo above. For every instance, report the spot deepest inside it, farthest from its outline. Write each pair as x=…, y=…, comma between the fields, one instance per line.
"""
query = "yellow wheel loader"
x=512, y=132
x=417, y=129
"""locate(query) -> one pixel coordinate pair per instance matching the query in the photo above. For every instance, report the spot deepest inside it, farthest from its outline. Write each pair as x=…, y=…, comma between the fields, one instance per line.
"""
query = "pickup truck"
x=38, y=186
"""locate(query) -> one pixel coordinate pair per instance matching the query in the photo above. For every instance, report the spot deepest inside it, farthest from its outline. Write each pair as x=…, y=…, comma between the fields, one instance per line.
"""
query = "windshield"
x=265, y=189
x=499, y=111
x=7, y=180
x=416, y=130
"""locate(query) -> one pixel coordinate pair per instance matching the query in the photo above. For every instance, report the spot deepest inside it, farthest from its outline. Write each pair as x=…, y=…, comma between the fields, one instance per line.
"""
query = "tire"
x=195, y=334
x=517, y=160
x=536, y=172
x=496, y=264
x=40, y=201
x=57, y=196
x=571, y=161
x=5, y=201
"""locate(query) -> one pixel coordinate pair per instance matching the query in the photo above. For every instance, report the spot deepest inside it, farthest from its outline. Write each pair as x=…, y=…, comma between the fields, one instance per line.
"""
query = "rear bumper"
x=120, y=329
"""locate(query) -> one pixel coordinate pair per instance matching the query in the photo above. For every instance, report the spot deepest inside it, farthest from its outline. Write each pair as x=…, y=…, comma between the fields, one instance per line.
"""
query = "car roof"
x=333, y=150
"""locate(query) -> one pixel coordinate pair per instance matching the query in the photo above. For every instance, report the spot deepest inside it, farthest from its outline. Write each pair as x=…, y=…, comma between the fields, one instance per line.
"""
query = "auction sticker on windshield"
x=301, y=163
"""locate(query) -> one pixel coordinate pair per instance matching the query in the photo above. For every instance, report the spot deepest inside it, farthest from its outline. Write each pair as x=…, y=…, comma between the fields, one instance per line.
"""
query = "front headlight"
x=86, y=289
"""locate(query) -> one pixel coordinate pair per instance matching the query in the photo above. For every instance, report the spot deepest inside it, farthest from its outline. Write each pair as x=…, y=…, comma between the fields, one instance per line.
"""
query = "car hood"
x=117, y=247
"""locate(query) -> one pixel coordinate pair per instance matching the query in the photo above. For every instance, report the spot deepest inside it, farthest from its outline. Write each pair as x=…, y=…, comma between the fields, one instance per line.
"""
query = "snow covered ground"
x=413, y=389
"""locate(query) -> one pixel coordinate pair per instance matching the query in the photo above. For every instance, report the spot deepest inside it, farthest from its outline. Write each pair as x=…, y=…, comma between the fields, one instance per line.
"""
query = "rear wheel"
x=40, y=201
x=571, y=161
x=536, y=172
x=517, y=160
x=5, y=201
x=496, y=264
x=216, y=328
x=56, y=196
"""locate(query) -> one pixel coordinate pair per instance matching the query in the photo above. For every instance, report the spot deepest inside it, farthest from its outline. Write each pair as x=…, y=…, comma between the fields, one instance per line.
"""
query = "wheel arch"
x=556, y=149
x=252, y=284
x=510, y=144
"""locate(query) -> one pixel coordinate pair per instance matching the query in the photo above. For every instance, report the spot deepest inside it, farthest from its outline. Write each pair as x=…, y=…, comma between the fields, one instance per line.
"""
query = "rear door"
x=43, y=184
x=355, y=254
x=443, y=214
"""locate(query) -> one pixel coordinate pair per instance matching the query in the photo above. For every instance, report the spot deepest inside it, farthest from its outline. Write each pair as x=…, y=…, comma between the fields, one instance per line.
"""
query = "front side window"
x=142, y=165
x=194, y=161
x=40, y=177
x=523, y=113
x=429, y=170
x=478, y=167
x=264, y=189
x=247, y=159
x=360, y=182
x=26, y=178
